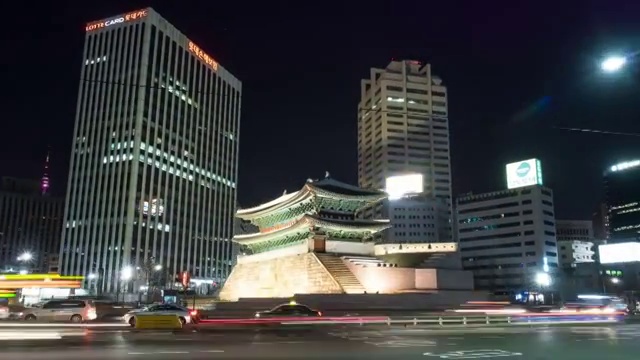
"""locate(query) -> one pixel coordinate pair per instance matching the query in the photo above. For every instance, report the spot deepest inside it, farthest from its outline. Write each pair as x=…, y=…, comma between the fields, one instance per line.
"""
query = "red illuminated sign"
x=135, y=15
x=203, y=56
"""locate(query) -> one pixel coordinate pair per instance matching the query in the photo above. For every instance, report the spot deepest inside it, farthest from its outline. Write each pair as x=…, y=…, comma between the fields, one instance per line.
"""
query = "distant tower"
x=44, y=183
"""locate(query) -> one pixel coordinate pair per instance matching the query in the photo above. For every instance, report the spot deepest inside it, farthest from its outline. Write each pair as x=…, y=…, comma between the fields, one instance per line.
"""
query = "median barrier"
x=471, y=321
x=158, y=322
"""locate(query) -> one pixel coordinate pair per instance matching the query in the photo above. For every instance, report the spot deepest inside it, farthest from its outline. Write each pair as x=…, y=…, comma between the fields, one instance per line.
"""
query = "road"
x=347, y=342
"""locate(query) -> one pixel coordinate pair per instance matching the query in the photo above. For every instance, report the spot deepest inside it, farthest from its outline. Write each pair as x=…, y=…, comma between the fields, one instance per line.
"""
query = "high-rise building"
x=623, y=201
x=403, y=129
x=600, y=220
x=30, y=225
x=155, y=151
x=507, y=238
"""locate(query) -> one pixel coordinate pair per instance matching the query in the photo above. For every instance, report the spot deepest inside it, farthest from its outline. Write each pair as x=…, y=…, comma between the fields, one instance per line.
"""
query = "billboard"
x=619, y=253
x=400, y=185
x=524, y=173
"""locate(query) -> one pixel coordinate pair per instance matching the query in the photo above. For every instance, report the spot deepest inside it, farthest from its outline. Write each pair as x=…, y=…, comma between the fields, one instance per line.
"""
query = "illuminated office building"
x=403, y=128
x=508, y=237
x=154, y=161
x=623, y=201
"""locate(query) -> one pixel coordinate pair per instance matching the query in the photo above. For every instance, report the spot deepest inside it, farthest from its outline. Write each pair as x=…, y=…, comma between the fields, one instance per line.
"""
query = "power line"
x=596, y=131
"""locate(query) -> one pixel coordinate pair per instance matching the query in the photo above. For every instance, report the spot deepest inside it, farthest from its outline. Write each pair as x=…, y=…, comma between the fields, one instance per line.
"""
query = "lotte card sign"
x=524, y=173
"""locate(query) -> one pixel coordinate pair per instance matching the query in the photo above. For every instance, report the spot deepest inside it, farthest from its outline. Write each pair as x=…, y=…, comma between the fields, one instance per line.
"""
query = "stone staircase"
x=341, y=273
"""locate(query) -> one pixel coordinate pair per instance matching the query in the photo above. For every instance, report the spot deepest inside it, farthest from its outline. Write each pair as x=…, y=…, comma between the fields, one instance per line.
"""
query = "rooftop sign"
x=524, y=173
x=120, y=19
x=194, y=49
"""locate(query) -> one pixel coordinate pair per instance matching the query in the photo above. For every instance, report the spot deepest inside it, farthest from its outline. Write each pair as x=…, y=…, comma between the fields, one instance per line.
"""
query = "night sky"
x=513, y=72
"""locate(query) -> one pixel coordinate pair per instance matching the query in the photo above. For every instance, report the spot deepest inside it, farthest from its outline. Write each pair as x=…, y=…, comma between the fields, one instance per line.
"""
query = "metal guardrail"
x=431, y=321
x=444, y=321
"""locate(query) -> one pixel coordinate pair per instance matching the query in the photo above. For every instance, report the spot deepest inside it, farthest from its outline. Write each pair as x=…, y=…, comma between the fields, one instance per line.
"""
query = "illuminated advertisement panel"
x=398, y=186
x=524, y=173
x=619, y=253
x=120, y=19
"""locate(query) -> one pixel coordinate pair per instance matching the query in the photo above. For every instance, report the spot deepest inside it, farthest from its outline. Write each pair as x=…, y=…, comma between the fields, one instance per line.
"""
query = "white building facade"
x=507, y=238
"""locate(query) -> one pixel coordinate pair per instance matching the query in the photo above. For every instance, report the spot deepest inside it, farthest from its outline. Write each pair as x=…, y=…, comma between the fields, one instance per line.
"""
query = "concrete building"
x=507, y=238
x=575, y=252
x=578, y=230
x=577, y=257
x=30, y=225
x=403, y=129
x=575, y=242
x=416, y=219
x=154, y=158
x=623, y=200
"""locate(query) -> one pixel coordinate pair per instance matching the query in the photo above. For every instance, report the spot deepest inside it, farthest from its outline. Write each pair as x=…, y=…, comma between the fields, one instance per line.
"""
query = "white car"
x=4, y=312
x=185, y=315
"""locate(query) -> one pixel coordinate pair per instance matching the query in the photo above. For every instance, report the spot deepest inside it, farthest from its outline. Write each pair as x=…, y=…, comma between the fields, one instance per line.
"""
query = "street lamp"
x=26, y=256
x=615, y=280
x=543, y=279
x=613, y=63
x=127, y=273
x=157, y=267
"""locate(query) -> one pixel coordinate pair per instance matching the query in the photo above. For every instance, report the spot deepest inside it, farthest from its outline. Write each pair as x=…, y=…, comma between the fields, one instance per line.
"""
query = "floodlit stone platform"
x=310, y=242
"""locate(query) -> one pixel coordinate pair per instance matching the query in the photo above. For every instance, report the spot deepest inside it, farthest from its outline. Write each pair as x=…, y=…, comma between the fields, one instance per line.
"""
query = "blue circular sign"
x=523, y=169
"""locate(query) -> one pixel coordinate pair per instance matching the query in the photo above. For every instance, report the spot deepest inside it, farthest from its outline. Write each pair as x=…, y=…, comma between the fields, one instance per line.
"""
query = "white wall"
x=288, y=251
x=349, y=247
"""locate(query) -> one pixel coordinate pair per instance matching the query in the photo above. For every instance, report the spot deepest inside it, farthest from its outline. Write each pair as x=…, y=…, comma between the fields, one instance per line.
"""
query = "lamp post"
x=125, y=275
x=150, y=269
x=613, y=63
x=543, y=279
x=25, y=258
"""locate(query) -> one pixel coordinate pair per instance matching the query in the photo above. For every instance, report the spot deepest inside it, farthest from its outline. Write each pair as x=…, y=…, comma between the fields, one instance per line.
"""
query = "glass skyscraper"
x=154, y=160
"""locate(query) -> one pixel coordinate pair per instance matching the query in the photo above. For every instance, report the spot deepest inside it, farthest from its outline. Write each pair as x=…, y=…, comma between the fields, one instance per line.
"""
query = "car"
x=4, y=312
x=291, y=309
x=75, y=311
x=185, y=315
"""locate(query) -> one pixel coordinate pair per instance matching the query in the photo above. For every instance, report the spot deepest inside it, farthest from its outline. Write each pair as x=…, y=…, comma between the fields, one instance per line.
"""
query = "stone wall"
x=391, y=280
x=279, y=277
x=349, y=247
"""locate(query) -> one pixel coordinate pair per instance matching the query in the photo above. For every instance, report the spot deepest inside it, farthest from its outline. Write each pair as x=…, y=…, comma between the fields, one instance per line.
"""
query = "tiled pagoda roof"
x=327, y=188
x=310, y=222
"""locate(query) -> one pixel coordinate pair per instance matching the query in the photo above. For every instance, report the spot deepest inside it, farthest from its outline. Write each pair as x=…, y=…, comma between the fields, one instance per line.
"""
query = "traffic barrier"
x=157, y=322
x=443, y=321
x=282, y=319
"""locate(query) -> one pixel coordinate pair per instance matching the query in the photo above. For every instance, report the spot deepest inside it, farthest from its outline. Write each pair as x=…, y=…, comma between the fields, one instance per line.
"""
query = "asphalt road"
x=593, y=342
